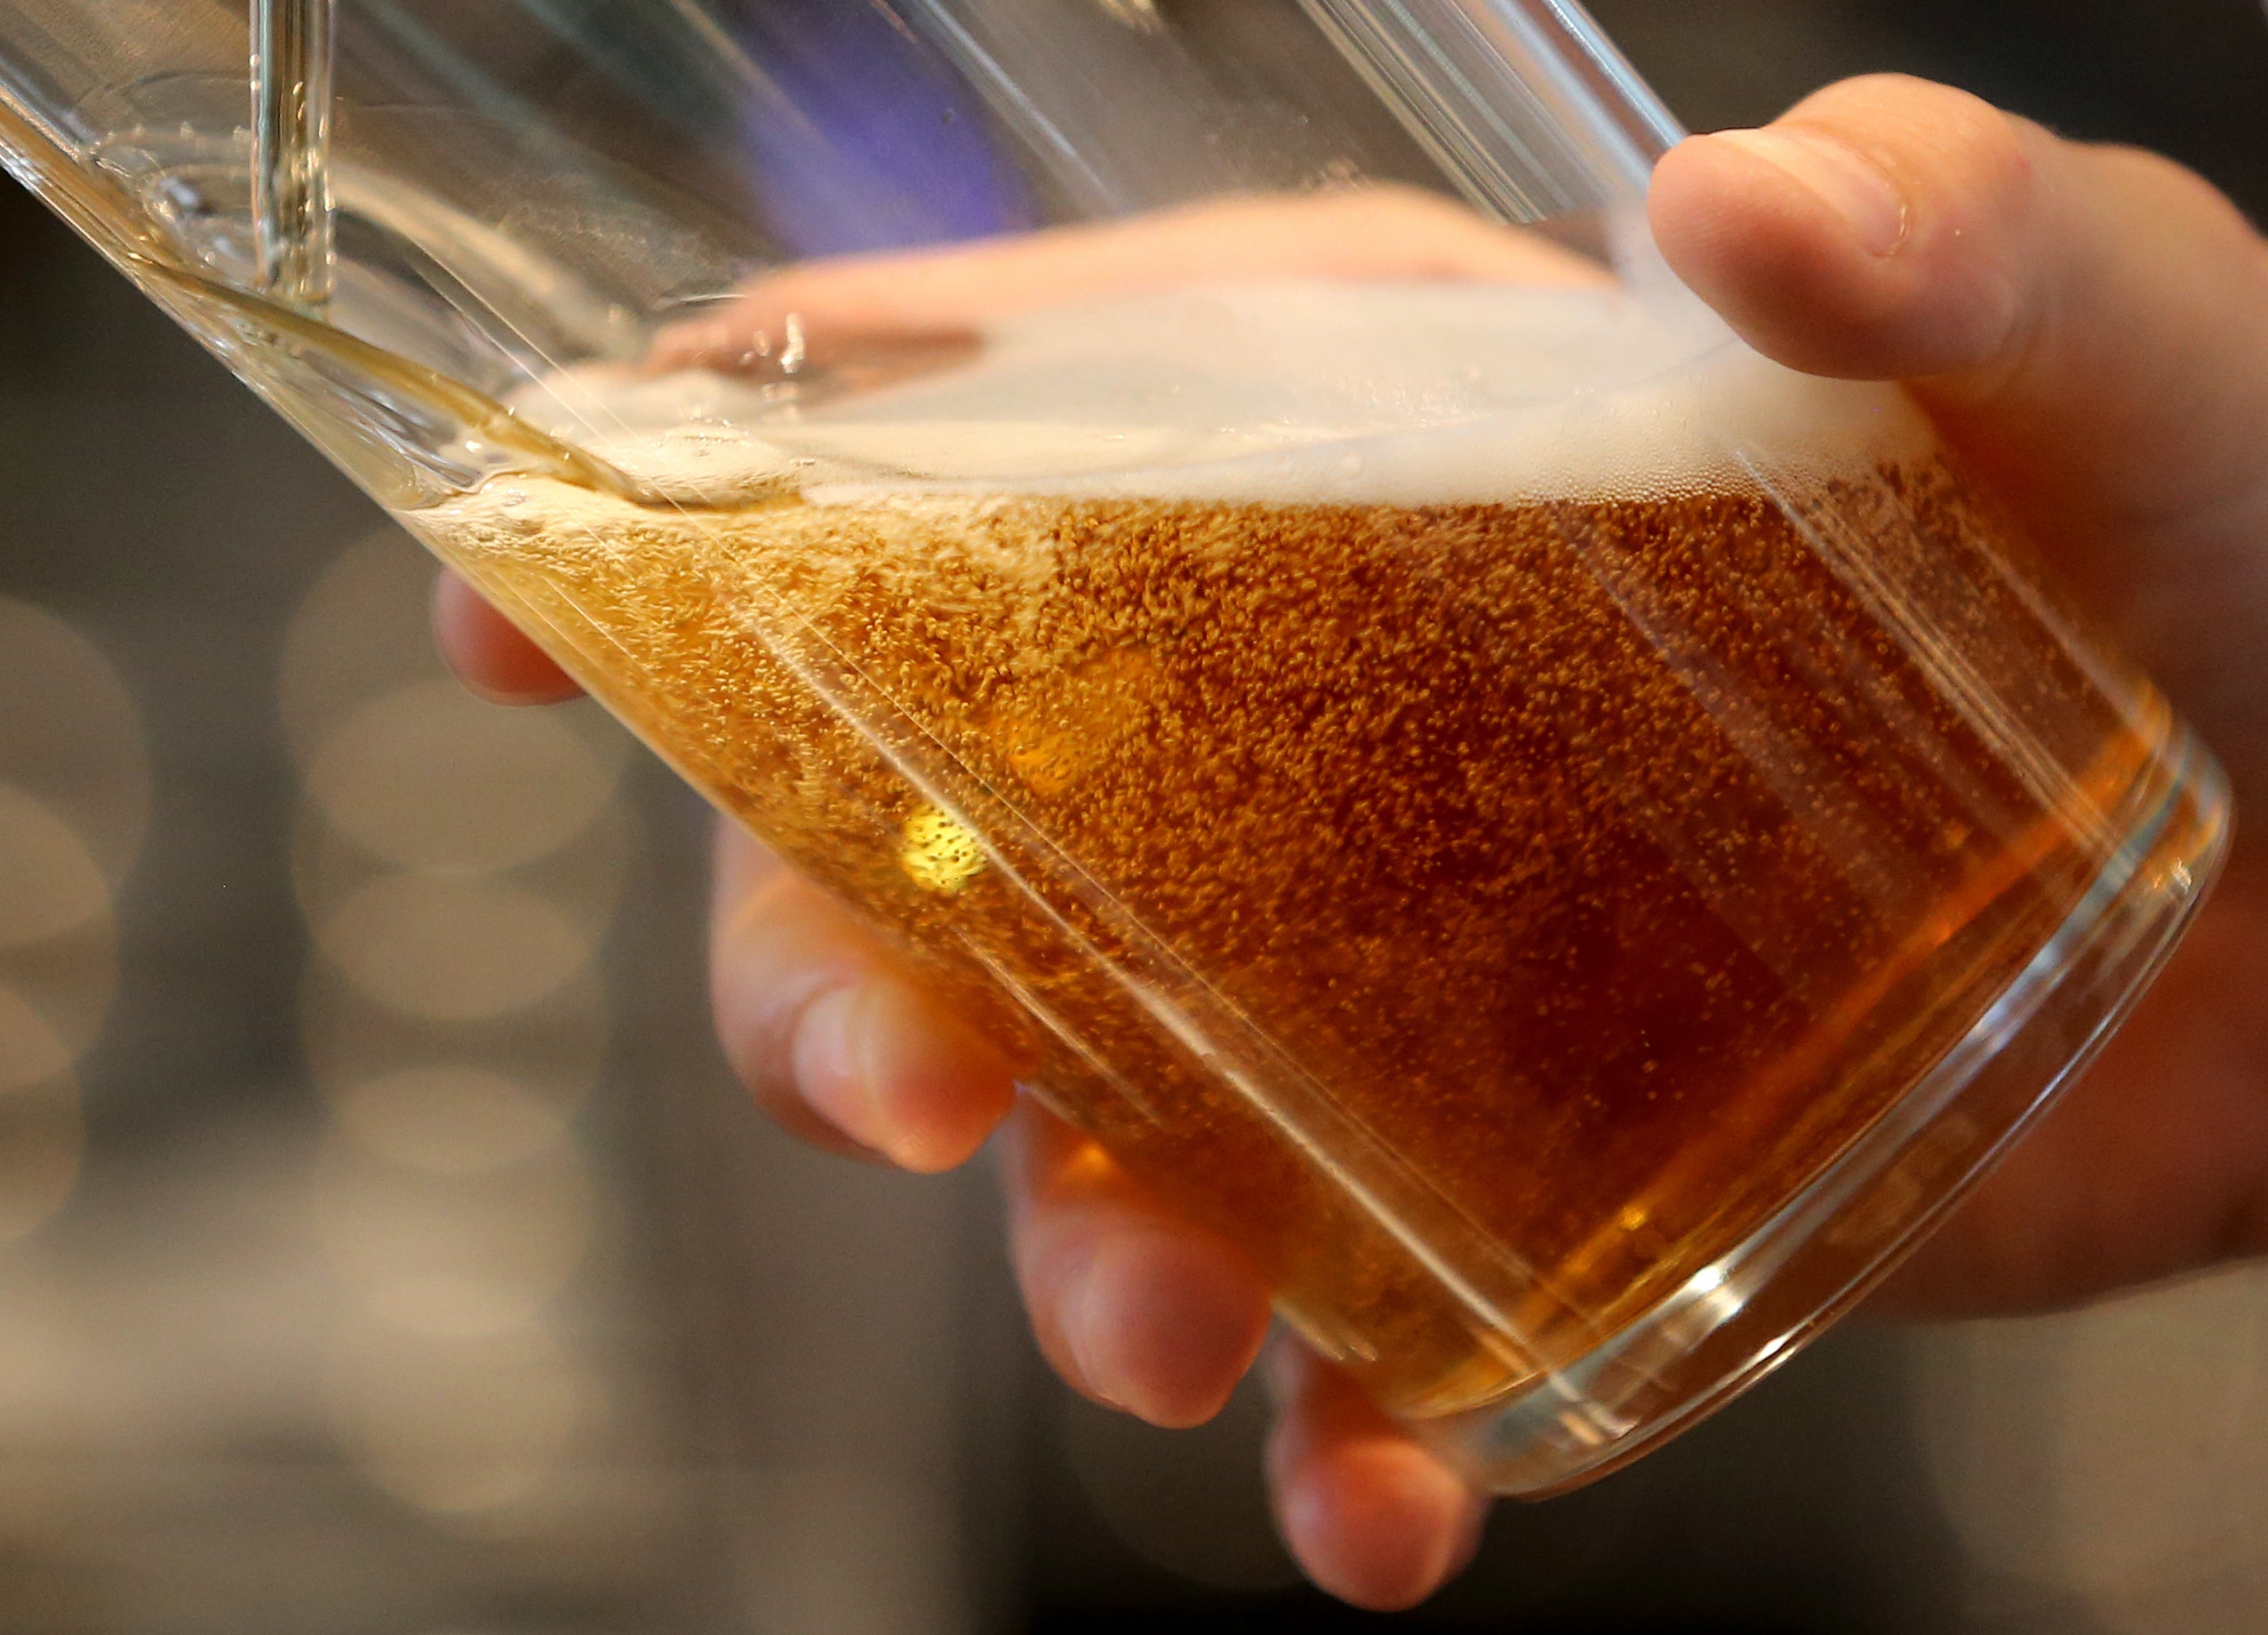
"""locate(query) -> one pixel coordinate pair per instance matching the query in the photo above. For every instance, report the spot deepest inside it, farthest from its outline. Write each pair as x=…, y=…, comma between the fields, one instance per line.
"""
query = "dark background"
x=798, y=1395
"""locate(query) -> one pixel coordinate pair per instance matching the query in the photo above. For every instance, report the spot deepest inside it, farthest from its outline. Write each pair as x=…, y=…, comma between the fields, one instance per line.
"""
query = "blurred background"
x=384, y=1249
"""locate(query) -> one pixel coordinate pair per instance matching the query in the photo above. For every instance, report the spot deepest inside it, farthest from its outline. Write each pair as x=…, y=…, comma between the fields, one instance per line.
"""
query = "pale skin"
x=2088, y=326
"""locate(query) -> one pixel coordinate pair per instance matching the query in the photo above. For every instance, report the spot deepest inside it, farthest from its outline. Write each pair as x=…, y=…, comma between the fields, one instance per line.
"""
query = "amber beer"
x=1481, y=868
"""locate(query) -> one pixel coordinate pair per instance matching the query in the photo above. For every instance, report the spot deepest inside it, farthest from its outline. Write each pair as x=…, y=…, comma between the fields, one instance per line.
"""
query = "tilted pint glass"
x=1567, y=842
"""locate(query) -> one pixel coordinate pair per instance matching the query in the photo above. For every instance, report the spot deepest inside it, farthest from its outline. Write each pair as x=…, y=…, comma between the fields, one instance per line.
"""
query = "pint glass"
x=1208, y=522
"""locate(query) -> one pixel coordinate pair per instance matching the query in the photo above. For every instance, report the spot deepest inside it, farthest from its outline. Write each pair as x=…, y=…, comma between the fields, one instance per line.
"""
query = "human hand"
x=2090, y=327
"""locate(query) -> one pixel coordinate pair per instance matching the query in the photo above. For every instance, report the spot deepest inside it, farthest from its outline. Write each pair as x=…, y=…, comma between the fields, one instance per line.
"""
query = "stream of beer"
x=291, y=206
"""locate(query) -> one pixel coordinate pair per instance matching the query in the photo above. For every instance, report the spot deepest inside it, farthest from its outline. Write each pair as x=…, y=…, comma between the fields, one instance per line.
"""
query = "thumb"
x=2089, y=323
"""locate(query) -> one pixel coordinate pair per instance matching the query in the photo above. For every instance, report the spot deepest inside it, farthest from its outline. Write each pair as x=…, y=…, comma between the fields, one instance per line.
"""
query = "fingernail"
x=1163, y=1325
x=1088, y=1313
x=1381, y=1526
x=1850, y=184
x=832, y=1075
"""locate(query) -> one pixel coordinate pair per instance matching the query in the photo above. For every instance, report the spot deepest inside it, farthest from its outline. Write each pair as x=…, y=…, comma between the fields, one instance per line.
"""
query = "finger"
x=1136, y=1309
x=489, y=653
x=830, y=1035
x=946, y=295
x=2093, y=322
x=1371, y=1515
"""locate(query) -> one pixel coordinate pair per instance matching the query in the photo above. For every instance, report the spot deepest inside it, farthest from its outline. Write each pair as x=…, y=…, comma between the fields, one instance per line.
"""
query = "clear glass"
x=1208, y=522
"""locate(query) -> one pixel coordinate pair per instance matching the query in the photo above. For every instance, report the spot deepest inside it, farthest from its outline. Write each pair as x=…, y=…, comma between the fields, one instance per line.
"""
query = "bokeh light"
x=555, y=1049
x=427, y=776
x=454, y=1119
x=582, y=879
x=75, y=793
x=71, y=733
x=70, y=980
x=519, y=1229
x=2109, y=1454
x=30, y=1051
x=458, y=865
x=41, y=1133
x=50, y=883
x=57, y=942
x=458, y=1421
x=455, y=950
x=361, y=631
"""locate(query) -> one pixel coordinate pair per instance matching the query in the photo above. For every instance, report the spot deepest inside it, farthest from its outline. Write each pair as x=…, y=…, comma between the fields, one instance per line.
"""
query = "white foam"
x=1366, y=394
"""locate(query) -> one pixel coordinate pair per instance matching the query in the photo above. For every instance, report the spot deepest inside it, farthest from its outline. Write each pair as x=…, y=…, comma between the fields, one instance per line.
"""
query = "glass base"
x=1735, y=1320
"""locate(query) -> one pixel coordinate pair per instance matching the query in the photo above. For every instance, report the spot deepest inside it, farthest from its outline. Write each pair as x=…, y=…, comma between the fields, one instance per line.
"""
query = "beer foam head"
x=1403, y=394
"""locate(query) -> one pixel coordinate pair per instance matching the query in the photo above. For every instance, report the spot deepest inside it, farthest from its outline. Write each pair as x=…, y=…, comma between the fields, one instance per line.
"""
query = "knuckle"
x=2177, y=191
x=1877, y=98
